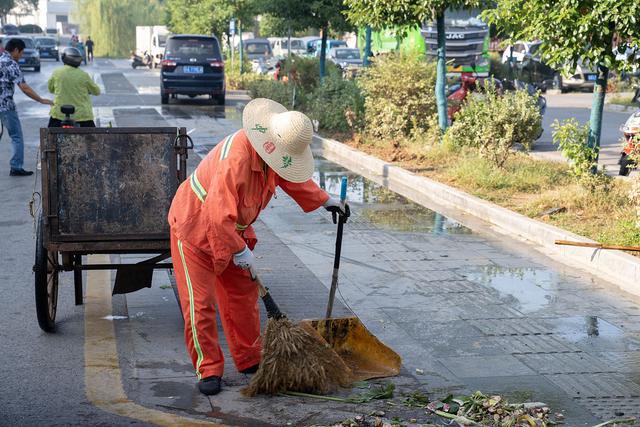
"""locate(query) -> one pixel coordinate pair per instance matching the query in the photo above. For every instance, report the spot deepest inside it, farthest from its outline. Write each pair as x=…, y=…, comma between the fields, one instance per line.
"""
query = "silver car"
x=348, y=59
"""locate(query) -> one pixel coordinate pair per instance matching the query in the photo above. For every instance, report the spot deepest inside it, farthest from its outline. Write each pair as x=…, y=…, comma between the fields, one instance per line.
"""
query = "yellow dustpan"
x=362, y=352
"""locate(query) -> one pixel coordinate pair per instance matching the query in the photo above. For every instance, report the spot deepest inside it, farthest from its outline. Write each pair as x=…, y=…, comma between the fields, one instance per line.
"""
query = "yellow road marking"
x=102, y=375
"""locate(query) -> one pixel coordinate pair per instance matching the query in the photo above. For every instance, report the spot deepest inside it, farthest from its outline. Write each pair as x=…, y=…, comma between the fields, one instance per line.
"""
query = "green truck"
x=467, y=42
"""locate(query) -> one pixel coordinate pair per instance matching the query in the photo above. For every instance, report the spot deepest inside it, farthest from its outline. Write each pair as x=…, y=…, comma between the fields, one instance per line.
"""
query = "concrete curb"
x=616, y=267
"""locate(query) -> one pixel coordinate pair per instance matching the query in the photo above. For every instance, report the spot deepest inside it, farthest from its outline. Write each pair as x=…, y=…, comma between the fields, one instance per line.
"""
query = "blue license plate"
x=592, y=77
x=22, y=61
x=193, y=69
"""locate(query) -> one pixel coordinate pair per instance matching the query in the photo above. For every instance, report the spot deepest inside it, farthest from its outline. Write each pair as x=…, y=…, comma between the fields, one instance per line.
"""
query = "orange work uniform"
x=210, y=218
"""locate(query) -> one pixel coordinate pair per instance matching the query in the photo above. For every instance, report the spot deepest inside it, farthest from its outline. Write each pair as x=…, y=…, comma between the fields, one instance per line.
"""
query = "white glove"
x=244, y=259
x=333, y=205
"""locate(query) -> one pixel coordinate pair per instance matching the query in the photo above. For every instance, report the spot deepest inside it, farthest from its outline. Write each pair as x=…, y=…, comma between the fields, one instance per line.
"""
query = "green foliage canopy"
x=570, y=30
x=207, y=16
x=403, y=14
x=112, y=23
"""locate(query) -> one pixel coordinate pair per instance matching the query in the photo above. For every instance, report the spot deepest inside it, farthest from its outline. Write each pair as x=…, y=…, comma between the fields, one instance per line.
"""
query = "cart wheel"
x=46, y=281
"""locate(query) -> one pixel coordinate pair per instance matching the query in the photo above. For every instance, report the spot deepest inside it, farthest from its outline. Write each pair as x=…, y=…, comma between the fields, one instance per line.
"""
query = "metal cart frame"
x=62, y=238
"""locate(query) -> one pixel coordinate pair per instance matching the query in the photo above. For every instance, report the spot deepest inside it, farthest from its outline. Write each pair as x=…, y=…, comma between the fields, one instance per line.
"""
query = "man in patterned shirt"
x=10, y=75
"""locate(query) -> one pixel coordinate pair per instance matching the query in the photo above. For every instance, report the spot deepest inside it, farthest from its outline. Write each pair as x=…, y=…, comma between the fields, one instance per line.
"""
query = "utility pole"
x=241, y=48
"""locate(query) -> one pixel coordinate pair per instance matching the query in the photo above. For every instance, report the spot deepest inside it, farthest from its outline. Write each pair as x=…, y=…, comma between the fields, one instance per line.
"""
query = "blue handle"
x=343, y=189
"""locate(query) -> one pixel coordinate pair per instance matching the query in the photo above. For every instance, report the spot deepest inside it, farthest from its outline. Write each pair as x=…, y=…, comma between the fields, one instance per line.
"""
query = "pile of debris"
x=479, y=409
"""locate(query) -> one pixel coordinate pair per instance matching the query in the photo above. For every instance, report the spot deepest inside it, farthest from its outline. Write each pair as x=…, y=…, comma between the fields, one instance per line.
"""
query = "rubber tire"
x=164, y=98
x=625, y=165
x=133, y=65
x=36, y=69
x=46, y=303
x=220, y=99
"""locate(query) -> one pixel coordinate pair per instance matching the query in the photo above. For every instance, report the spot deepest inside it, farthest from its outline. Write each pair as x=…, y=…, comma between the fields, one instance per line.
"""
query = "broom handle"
x=269, y=304
x=597, y=245
x=336, y=260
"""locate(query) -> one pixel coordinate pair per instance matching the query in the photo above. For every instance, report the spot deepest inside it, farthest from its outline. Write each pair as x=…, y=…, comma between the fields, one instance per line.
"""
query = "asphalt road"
x=453, y=300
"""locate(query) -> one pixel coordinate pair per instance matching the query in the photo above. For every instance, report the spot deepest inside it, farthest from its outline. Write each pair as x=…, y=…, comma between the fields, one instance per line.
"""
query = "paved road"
x=466, y=309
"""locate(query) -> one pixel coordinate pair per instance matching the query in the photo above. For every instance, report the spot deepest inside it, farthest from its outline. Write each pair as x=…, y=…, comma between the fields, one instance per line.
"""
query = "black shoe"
x=251, y=370
x=210, y=385
x=20, y=172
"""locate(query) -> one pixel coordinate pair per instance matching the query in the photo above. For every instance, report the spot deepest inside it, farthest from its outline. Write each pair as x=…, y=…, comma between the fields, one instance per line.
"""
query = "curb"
x=616, y=108
x=616, y=267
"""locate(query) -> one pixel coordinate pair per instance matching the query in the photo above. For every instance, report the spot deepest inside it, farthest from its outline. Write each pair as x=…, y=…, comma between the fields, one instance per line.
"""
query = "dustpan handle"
x=338, y=251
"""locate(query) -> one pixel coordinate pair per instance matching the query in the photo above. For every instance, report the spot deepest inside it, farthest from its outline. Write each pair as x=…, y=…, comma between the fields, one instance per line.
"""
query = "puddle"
x=381, y=207
x=521, y=287
x=578, y=328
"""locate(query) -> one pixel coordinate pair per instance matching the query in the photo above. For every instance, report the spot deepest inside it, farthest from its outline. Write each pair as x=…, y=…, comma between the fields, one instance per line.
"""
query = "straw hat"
x=281, y=138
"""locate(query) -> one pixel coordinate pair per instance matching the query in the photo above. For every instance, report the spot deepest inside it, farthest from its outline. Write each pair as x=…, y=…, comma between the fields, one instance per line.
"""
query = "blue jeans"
x=13, y=127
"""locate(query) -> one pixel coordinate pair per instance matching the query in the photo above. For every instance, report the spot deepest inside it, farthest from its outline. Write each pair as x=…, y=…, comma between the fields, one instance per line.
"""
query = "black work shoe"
x=210, y=385
x=251, y=369
x=20, y=172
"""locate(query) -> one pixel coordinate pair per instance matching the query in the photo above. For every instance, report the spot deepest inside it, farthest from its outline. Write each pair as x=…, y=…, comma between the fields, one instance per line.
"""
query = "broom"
x=294, y=357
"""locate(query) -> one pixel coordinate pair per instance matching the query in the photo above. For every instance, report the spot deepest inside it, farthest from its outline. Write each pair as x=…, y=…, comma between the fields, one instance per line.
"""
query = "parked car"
x=192, y=65
x=520, y=51
x=259, y=52
x=310, y=43
x=47, y=47
x=330, y=45
x=30, y=57
x=10, y=30
x=257, y=48
x=280, y=47
x=30, y=29
x=347, y=58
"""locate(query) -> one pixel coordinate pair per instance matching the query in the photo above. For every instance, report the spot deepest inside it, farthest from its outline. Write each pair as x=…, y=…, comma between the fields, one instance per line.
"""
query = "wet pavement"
x=466, y=308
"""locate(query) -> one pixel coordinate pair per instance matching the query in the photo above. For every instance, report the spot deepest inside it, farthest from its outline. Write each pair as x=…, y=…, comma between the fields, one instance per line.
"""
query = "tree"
x=112, y=23
x=404, y=14
x=6, y=6
x=321, y=14
x=574, y=31
x=207, y=16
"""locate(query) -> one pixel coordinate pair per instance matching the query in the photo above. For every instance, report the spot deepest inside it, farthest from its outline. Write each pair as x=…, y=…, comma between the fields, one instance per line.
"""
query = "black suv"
x=192, y=65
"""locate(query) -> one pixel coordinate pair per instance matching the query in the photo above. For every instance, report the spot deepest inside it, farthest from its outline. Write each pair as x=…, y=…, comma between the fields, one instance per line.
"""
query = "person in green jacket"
x=72, y=86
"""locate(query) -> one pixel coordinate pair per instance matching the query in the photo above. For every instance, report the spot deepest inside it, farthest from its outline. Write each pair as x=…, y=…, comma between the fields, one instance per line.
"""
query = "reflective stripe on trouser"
x=236, y=297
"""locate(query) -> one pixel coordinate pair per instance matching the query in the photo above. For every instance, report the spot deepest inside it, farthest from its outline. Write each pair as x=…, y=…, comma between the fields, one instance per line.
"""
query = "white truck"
x=152, y=40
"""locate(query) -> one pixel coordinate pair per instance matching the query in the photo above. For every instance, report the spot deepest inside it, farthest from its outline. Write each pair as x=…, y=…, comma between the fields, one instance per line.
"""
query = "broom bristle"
x=293, y=359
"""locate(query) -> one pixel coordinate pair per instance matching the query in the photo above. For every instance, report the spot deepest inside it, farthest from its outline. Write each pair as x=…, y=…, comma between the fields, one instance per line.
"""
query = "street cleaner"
x=212, y=238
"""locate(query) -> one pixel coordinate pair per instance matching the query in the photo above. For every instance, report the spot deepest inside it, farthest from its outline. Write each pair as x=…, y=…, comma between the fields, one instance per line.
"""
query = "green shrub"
x=493, y=124
x=237, y=81
x=496, y=68
x=399, y=96
x=305, y=72
x=281, y=92
x=572, y=141
x=337, y=105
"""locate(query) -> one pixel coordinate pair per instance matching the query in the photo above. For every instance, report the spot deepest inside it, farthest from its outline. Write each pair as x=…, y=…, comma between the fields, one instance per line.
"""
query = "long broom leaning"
x=294, y=358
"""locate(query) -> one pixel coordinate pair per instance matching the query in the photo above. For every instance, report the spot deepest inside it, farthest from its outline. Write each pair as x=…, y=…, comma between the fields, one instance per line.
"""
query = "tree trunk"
x=323, y=51
x=441, y=76
x=241, y=53
x=367, y=46
x=289, y=43
x=595, y=121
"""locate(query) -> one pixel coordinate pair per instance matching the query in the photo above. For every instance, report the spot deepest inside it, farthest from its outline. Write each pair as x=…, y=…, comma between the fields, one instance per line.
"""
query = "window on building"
x=62, y=18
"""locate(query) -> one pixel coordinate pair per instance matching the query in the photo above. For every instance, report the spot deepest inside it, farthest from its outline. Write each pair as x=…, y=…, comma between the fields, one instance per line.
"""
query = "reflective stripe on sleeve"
x=197, y=188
